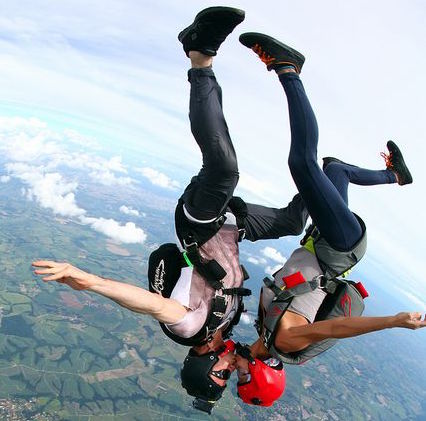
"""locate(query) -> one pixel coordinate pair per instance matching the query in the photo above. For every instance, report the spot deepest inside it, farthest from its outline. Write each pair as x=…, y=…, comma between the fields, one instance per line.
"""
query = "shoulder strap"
x=280, y=304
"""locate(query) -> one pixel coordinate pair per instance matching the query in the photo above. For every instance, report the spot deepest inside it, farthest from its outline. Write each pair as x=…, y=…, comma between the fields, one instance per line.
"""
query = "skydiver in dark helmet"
x=196, y=285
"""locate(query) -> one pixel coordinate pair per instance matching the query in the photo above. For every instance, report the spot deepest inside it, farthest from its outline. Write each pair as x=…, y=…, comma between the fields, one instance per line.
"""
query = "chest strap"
x=283, y=298
x=212, y=271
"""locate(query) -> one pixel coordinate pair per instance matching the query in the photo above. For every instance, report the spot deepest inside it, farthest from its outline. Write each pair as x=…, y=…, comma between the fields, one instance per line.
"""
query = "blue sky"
x=116, y=72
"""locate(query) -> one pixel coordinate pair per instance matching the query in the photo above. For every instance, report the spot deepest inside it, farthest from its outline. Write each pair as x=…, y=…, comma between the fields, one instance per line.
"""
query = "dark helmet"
x=195, y=377
x=267, y=380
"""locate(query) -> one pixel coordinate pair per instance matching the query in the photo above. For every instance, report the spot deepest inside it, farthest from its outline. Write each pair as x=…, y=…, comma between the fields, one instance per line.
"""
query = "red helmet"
x=267, y=380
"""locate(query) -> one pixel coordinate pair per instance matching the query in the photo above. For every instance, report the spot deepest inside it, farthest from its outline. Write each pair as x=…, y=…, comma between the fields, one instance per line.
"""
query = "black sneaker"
x=329, y=159
x=395, y=162
x=273, y=53
x=210, y=28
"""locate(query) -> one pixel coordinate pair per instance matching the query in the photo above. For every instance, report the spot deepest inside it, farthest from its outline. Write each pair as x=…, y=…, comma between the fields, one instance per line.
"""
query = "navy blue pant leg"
x=342, y=174
x=326, y=206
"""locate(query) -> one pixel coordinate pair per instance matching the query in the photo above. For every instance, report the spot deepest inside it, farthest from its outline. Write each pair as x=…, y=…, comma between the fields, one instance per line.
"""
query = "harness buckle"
x=187, y=246
x=266, y=336
x=241, y=234
x=322, y=282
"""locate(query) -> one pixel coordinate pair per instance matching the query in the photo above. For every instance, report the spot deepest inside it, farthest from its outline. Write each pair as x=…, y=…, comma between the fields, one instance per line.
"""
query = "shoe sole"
x=248, y=39
x=228, y=11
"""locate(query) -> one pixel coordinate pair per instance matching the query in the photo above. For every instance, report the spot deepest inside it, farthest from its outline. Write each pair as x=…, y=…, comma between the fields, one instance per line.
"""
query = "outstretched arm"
x=136, y=299
x=296, y=338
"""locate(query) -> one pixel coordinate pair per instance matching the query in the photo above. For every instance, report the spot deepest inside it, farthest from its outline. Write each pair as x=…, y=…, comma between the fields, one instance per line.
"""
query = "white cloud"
x=50, y=190
x=274, y=255
x=36, y=154
x=246, y=319
x=158, y=178
x=270, y=270
x=31, y=141
x=26, y=140
x=128, y=233
x=79, y=139
x=115, y=164
x=129, y=211
x=256, y=261
x=108, y=178
x=4, y=178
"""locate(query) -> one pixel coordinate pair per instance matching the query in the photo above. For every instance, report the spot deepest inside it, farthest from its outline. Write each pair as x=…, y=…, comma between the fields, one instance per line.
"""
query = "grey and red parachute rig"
x=344, y=298
x=196, y=380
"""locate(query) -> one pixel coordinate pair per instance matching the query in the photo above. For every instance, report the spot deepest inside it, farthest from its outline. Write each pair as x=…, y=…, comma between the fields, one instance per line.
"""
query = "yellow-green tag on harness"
x=309, y=245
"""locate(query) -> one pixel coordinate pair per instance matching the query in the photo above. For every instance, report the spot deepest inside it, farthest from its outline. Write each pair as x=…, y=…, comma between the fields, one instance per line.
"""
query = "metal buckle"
x=194, y=243
x=241, y=234
x=320, y=283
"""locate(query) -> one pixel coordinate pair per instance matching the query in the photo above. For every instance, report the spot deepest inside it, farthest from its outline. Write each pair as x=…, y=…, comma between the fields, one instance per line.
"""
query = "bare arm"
x=292, y=338
x=136, y=299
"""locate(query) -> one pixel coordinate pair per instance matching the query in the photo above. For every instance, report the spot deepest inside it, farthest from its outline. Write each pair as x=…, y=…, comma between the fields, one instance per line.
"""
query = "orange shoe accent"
x=269, y=60
x=388, y=159
x=263, y=55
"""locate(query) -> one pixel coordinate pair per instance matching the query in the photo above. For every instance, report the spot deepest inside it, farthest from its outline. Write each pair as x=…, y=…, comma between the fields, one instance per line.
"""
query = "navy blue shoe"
x=210, y=28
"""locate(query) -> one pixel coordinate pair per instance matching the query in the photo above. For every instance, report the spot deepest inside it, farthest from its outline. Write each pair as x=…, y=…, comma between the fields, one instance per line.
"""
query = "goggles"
x=224, y=374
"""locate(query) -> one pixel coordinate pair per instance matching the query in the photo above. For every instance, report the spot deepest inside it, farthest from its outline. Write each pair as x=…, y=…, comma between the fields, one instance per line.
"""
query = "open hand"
x=64, y=273
x=410, y=320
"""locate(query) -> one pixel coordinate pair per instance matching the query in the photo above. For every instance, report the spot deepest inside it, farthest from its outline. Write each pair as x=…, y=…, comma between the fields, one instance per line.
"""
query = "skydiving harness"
x=193, y=236
x=344, y=297
x=214, y=273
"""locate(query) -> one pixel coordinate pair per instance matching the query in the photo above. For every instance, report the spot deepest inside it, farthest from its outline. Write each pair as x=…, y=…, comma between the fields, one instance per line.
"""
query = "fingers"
x=55, y=270
x=56, y=275
x=52, y=270
x=44, y=263
x=418, y=320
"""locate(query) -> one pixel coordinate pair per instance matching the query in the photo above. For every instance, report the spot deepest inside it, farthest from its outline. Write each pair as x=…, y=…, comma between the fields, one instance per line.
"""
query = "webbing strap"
x=280, y=304
x=300, y=289
x=216, y=314
x=241, y=292
x=210, y=270
x=271, y=284
x=272, y=317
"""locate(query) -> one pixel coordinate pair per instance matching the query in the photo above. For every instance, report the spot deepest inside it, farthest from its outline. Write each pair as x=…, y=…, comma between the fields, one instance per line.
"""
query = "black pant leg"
x=264, y=223
x=209, y=192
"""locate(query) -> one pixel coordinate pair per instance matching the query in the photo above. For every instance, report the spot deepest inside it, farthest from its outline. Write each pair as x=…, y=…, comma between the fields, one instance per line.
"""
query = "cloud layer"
x=128, y=210
x=158, y=178
x=34, y=159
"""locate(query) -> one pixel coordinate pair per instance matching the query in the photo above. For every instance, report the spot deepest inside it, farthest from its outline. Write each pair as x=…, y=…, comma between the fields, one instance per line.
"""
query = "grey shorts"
x=307, y=305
